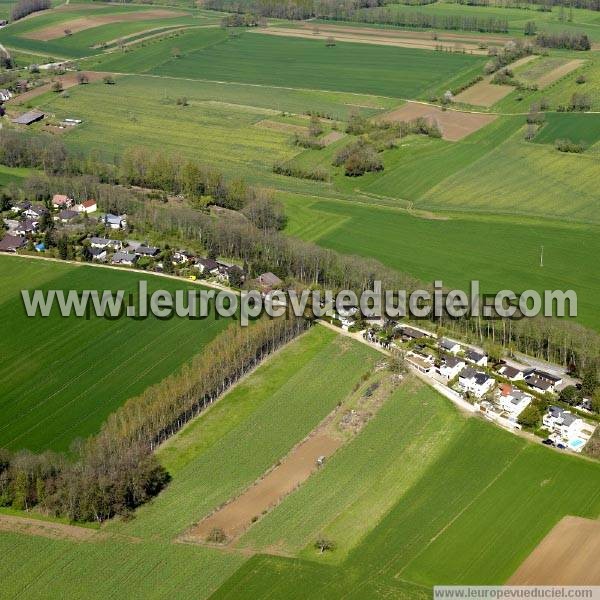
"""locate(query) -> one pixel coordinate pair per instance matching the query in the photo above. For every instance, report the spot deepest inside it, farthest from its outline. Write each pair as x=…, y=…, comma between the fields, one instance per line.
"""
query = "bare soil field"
x=68, y=80
x=9, y=523
x=81, y=24
x=454, y=125
x=487, y=94
x=555, y=74
x=236, y=516
x=367, y=38
x=282, y=127
x=568, y=555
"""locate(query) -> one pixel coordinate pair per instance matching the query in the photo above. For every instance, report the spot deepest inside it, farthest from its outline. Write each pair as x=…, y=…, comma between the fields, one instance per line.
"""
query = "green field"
x=290, y=62
x=579, y=128
x=472, y=517
x=86, y=42
x=421, y=496
x=218, y=127
x=502, y=253
x=60, y=381
x=252, y=427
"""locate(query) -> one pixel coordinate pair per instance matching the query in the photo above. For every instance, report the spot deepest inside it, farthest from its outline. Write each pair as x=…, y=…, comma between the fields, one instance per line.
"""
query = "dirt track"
x=56, y=31
x=568, y=555
x=454, y=125
x=236, y=516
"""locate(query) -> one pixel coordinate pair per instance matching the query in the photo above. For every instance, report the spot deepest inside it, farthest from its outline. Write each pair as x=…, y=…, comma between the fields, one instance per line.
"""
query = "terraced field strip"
x=57, y=30
x=380, y=39
x=454, y=125
x=235, y=517
x=485, y=93
x=555, y=74
x=568, y=555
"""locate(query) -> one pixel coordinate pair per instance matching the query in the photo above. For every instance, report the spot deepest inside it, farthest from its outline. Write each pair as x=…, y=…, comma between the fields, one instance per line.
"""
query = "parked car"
x=548, y=442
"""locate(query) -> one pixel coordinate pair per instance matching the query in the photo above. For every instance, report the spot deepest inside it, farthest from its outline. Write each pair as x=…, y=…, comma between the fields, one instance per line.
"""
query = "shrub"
x=569, y=146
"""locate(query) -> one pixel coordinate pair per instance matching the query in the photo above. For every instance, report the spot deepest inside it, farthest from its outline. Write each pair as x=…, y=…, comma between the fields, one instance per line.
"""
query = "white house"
x=449, y=346
x=36, y=211
x=451, y=366
x=89, y=206
x=5, y=95
x=511, y=373
x=513, y=401
x=105, y=243
x=481, y=360
x=114, y=221
x=563, y=423
x=475, y=382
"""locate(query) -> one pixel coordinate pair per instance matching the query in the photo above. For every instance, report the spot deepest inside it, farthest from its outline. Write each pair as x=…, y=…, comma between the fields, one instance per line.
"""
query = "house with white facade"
x=513, y=400
x=451, y=366
x=475, y=382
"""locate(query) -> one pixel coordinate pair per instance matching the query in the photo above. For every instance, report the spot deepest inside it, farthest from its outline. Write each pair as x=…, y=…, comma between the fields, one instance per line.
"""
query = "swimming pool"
x=576, y=444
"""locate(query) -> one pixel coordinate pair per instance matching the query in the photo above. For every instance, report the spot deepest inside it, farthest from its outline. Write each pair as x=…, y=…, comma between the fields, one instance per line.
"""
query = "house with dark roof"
x=36, y=211
x=147, y=251
x=26, y=227
x=451, y=366
x=114, y=221
x=408, y=333
x=539, y=385
x=105, y=243
x=12, y=243
x=475, y=382
x=98, y=254
x=449, y=346
x=124, y=258
x=67, y=215
x=207, y=266
x=511, y=373
x=477, y=358
x=562, y=422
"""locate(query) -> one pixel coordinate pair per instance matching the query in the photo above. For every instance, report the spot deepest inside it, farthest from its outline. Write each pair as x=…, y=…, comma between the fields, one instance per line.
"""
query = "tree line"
x=116, y=471
x=25, y=7
x=565, y=40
